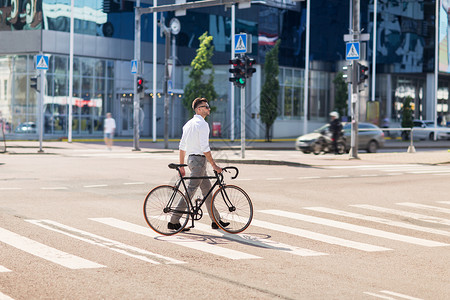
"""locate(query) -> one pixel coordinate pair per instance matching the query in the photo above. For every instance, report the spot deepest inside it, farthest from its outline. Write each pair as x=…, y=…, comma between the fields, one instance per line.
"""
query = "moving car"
x=424, y=129
x=370, y=138
x=26, y=127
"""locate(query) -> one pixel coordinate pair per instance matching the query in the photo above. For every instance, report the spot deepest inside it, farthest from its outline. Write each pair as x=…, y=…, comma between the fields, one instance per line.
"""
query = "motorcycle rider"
x=335, y=129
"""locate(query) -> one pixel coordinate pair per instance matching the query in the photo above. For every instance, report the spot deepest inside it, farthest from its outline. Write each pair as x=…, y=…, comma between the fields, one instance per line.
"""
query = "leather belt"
x=201, y=155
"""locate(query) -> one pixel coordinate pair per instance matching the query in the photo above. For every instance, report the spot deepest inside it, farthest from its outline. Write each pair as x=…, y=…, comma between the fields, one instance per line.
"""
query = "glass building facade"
x=103, y=49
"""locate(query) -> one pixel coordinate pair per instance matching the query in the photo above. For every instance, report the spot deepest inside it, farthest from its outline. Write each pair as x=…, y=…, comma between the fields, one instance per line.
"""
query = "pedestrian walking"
x=195, y=144
x=335, y=129
x=109, y=128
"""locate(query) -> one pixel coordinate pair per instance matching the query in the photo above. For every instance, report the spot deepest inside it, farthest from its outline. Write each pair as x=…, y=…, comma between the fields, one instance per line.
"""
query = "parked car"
x=370, y=140
x=424, y=129
x=26, y=127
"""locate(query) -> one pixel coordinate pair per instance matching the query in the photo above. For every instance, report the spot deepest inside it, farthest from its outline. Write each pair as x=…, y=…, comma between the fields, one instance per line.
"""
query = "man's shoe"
x=222, y=223
x=176, y=226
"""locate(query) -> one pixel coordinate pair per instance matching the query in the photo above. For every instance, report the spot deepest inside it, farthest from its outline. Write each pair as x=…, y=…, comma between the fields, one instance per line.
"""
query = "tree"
x=200, y=84
x=341, y=88
x=407, y=117
x=270, y=90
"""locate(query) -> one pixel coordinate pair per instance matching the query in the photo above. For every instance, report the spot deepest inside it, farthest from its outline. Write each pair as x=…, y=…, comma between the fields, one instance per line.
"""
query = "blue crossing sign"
x=352, y=51
x=240, y=43
x=41, y=62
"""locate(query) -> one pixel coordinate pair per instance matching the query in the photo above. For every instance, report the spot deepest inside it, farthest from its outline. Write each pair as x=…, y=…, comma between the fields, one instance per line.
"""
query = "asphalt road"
x=72, y=227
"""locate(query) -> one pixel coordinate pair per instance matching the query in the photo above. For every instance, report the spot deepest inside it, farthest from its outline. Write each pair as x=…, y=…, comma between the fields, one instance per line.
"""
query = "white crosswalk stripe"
x=318, y=236
x=4, y=270
x=5, y=297
x=180, y=240
x=259, y=242
x=426, y=207
x=43, y=251
x=378, y=220
x=391, y=211
x=97, y=240
x=356, y=228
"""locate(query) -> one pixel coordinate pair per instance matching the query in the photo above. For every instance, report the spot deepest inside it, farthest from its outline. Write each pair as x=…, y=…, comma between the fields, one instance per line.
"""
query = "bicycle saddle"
x=176, y=166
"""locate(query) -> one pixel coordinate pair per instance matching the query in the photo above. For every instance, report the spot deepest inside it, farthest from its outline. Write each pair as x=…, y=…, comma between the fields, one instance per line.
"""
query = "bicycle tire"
x=231, y=204
x=160, y=205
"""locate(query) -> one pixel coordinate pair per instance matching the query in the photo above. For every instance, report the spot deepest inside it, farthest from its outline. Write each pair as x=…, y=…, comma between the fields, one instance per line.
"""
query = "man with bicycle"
x=195, y=144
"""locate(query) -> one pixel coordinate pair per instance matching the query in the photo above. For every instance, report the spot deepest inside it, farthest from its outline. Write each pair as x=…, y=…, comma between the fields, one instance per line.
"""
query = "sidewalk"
x=256, y=152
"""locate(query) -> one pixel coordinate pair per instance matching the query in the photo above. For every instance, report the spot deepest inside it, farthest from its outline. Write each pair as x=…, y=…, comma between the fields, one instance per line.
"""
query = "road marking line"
x=5, y=297
x=400, y=295
x=394, y=174
x=378, y=220
x=319, y=237
x=131, y=183
x=106, y=243
x=379, y=296
x=4, y=270
x=369, y=175
x=444, y=202
x=339, y=176
x=259, y=242
x=43, y=251
x=309, y=177
x=431, y=171
x=180, y=240
x=95, y=186
x=426, y=207
x=54, y=188
x=419, y=217
x=355, y=228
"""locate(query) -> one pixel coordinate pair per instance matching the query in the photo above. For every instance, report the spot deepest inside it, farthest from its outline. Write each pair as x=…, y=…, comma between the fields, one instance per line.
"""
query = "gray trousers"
x=197, y=166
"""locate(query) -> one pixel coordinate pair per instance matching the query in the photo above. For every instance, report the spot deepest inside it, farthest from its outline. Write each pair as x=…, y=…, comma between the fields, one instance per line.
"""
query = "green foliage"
x=270, y=89
x=341, y=98
x=407, y=113
x=201, y=85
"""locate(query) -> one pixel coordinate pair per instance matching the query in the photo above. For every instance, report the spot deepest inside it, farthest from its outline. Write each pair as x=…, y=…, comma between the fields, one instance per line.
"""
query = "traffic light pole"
x=137, y=57
x=41, y=109
x=355, y=95
x=242, y=122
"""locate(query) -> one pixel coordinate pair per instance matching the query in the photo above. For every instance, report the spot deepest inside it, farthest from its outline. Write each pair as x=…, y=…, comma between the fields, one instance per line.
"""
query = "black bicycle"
x=229, y=204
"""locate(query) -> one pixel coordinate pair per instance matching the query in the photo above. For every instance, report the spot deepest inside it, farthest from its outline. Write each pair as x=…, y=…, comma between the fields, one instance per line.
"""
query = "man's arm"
x=182, y=156
x=211, y=161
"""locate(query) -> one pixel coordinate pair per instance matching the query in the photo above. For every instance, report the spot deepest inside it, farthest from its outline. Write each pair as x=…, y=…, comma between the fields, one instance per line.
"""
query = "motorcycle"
x=324, y=144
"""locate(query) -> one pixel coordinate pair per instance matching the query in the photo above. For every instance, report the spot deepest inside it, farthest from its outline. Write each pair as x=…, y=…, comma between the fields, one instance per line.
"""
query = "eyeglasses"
x=207, y=106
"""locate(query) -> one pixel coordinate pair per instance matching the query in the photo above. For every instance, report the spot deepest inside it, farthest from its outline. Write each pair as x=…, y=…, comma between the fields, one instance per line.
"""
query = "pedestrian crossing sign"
x=352, y=51
x=41, y=62
x=134, y=67
x=240, y=43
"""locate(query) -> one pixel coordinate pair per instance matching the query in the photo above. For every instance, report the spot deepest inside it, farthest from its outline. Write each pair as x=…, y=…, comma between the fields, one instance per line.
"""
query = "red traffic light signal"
x=140, y=84
x=363, y=73
x=249, y=69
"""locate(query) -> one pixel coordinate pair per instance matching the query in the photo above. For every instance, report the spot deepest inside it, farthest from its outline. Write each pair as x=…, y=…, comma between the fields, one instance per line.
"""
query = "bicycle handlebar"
x=233, y=168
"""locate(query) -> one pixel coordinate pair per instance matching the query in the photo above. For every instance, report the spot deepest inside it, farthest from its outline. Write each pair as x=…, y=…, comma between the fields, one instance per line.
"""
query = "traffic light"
x=140, y=84
x=34, y=83
x=363, y=72
x=238, y=72
x=249, y=69
x=347, y=73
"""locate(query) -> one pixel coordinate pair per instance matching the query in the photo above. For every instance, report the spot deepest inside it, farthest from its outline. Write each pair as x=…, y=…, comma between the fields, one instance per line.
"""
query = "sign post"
x=42, y=66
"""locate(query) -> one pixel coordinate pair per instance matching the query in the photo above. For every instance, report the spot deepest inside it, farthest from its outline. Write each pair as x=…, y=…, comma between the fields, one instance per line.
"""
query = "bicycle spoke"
x=166, y=204
x=232, y=205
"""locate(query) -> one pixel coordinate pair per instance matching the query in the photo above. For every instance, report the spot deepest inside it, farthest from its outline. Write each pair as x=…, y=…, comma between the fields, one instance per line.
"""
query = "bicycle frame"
x=193, y=210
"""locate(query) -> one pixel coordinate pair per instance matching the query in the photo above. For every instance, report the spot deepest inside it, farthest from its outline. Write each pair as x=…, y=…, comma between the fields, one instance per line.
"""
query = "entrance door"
x=126, y=114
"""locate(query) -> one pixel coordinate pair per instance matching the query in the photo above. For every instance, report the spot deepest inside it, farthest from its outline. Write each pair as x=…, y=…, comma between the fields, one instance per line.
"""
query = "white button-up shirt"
x=195, y=138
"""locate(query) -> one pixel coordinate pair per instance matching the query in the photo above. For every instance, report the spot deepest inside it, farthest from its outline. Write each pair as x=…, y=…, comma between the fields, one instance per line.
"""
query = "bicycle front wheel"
x=166, y=204
x=231, y=204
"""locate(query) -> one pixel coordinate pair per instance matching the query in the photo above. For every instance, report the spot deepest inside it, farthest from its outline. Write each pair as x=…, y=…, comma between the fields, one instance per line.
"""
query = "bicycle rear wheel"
x=231, y=204
x=165, y=204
